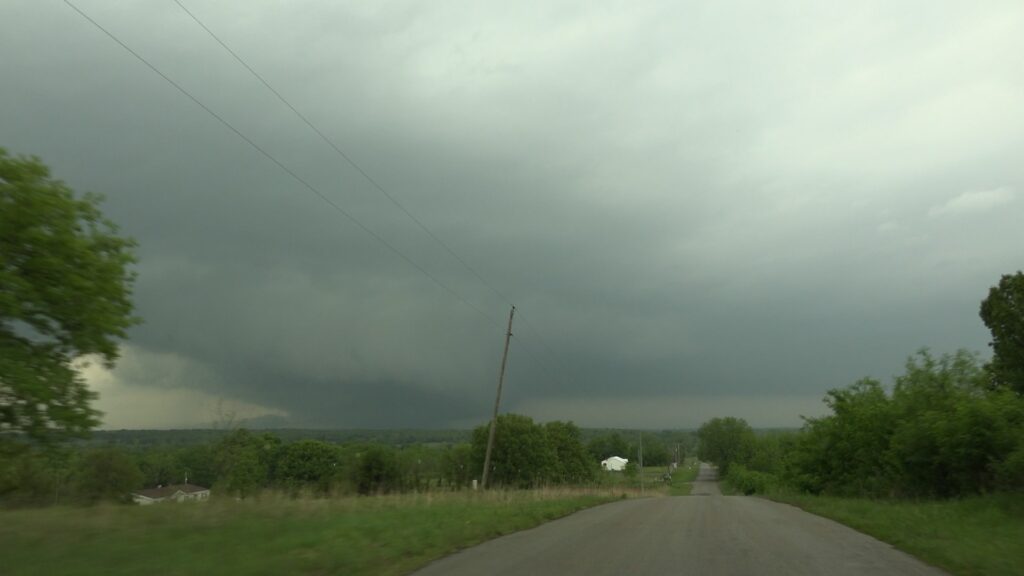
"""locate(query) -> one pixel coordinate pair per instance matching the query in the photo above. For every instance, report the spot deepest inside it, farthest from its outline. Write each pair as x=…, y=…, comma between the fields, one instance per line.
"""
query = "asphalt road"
x=704, y=533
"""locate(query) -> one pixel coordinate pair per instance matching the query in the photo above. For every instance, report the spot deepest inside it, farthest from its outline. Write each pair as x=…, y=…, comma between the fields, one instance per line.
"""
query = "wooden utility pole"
x=640, y=450
x=497, y=402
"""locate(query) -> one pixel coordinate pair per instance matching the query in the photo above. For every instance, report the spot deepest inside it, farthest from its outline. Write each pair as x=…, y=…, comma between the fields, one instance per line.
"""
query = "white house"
x=614, y=463
x=170, y=493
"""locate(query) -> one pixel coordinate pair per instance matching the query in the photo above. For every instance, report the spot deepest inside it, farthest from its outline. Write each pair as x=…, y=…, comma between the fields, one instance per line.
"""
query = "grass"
x=273, y=535
x=653, y=480
x=982, y=535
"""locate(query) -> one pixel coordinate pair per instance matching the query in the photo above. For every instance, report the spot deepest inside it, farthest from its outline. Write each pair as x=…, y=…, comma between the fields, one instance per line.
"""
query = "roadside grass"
x=981, y=535
x=273, y=534
x=683, y=477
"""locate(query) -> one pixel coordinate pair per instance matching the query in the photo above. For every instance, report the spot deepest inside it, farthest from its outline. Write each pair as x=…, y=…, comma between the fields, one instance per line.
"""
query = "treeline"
x=949, y=426
x=243, y=463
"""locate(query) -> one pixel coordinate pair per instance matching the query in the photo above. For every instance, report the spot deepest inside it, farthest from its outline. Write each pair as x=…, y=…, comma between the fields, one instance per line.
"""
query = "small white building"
x=171, y=493
x=615, y=464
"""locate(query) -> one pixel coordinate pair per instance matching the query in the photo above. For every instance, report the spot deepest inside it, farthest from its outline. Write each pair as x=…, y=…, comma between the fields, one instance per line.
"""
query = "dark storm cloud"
x=697, y=208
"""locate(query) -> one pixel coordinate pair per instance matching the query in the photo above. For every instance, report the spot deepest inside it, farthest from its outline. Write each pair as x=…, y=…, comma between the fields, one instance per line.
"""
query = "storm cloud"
x=699, y=209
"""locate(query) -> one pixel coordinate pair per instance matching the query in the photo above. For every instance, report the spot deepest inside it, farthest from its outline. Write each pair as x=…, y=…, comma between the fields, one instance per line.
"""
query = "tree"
x=65, y=289
x=377, y=470
x=608, y=445
x=307, y=463
x=522, y=456
x=106, y=474
x=725, y=441
x=1003, y=312
x=573, y=464
x=244, y=461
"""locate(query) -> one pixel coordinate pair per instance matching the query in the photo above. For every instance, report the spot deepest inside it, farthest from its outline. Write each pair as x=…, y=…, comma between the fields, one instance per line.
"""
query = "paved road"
x=704, y=533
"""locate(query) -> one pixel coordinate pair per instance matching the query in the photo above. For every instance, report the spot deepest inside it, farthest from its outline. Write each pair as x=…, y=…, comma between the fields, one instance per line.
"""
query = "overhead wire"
x=373, y=182
x=282, y=166
x=355, y=165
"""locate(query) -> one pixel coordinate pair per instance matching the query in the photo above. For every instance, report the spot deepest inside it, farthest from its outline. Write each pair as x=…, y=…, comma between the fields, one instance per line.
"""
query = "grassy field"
x=653, y=480
x=982, y=535
x=376, y=535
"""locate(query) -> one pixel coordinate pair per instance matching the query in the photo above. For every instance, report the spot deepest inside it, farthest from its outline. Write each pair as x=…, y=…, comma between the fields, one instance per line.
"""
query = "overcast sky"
x=699, y=208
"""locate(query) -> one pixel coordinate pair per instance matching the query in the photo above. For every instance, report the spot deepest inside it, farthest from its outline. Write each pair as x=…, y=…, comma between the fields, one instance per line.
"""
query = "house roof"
x=169, y=490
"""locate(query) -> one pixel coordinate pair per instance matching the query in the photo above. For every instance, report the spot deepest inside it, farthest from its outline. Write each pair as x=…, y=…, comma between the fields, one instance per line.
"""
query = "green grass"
x=683, y=477
x=375, y=535
x=972, y=536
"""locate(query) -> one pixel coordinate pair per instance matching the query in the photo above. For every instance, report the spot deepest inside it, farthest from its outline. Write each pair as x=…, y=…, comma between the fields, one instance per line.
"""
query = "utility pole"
x=497, y=402
x=641, y=454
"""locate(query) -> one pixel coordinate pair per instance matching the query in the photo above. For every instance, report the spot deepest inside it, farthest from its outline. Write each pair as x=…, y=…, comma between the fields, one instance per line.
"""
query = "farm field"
x=273, y=535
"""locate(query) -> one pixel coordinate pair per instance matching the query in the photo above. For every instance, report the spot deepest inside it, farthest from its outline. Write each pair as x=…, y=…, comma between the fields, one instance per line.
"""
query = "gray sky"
x=699, y=208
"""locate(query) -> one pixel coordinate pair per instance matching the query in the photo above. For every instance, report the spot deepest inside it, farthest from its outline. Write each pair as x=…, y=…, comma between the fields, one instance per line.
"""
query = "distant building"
x=614, y=464
x=171, y=493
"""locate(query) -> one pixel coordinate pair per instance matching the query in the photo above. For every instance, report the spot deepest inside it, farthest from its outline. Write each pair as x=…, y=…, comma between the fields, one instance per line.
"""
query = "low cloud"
x=973, y=202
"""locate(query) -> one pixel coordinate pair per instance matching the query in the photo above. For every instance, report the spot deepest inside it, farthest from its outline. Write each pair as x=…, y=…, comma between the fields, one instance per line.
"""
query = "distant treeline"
x=243, y=463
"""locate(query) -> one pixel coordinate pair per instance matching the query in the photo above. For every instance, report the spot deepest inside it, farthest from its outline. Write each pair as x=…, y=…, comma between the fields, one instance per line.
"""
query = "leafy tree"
x=65, y=288
x=655, y=452
x=307, y=463
x=573, y=464
x=522, y=457
x=106, y=474
x=846, y=451
x=1003, y=312
x=420, y=465
x=244, y=461
x=607, y=445
x=457, y=466
x=377, y=470
x=725, y=441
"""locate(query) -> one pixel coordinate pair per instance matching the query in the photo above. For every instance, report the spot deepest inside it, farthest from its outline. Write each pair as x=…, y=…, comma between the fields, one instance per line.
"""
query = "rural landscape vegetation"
x=930, y=461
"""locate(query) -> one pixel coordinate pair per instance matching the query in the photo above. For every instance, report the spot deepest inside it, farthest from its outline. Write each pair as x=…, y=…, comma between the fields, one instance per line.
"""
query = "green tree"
x=725, y=441
x=607, y=445
x=457, y=466
x=307, y=464
x=65, y=289
x=1003, y=312
x=377, y=470
x=846, y=452
x=522, y=456
x=106, y=474
x=572, y=463
x=244, y=461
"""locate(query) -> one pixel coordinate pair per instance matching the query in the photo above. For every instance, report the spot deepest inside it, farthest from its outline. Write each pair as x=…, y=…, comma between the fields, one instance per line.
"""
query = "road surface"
x=704, y=533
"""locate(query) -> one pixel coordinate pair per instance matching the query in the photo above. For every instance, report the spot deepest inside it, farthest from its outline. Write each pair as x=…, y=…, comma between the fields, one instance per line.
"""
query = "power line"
x=373, y=182
x=344, y=156
x=284, y=168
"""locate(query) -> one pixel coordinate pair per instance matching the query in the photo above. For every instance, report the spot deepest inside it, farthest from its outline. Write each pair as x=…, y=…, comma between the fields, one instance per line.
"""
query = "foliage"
x=1003, y=312
x=724, y=441
x=607, y=445
x=522, y=456
x=307, y=463
x=106, y=474
x=65, y=289
x=243, y=461
x=457, y=466
x=573, y=464
x=377, y=471
x=846, y=451
x=941, y=433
